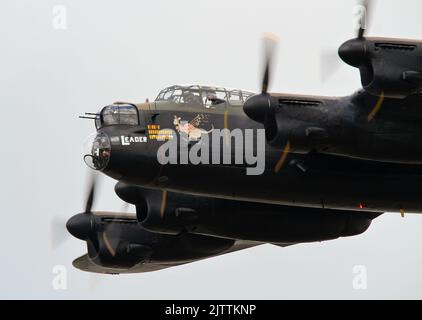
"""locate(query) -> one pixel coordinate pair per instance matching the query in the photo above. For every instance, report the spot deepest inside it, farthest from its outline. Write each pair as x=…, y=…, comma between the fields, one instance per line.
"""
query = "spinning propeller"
x=260, y=107
x=352, y=52
x=84, y=226
x=364, y=10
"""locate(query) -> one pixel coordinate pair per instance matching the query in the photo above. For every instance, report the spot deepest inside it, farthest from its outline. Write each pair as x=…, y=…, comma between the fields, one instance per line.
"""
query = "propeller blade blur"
x=91, y=194
x=270, y=42
x=364, y=10
x=58, y=232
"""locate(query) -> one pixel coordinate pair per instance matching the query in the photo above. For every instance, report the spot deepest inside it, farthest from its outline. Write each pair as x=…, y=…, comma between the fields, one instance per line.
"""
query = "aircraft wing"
x=84, y=263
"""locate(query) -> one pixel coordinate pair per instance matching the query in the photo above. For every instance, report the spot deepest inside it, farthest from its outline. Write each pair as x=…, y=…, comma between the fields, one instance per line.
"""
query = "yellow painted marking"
x=163, y=203
x=283, y=157
x=226, y=126
x=402, y=213
x=377, y=107
x=108, y=245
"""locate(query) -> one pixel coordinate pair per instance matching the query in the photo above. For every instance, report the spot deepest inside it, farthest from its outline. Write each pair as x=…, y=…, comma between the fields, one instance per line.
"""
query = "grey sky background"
x=129, y=50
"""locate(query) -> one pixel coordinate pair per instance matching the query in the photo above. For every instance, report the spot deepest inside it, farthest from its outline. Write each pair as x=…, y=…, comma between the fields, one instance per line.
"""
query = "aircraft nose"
x=97, y=151
x=81, y=225
x=353, y=52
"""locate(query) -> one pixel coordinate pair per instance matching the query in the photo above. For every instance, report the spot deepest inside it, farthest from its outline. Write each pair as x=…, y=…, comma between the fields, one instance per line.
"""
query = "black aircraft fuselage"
x=303, y=171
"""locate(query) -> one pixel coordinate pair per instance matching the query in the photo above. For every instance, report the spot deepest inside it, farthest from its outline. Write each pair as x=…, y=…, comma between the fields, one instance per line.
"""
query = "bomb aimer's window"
x=119, y=114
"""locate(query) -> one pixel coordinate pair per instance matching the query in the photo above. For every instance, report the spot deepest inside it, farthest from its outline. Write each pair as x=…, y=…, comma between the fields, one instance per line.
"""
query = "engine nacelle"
x=387, y=66
x=174, y=213
x=342, y=127
x=118, y=242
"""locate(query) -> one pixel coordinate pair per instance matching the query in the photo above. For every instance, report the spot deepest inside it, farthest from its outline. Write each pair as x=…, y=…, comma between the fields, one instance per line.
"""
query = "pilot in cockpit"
x=212, y=97
x=190, y=98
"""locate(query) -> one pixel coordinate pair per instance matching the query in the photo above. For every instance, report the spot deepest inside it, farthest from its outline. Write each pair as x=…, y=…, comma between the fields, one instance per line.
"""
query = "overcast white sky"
x=129, y=50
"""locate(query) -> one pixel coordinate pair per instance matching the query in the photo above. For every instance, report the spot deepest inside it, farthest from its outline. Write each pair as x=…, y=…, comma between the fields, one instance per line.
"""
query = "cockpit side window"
x=167, y=95
x=234, y=98
x=246, y=95
x=170, y=94
x=119, y=114
x=221, y=95
x=214, y=98
x=160, y=96
x=176, y=96
x=203, y=96
x=191, y=97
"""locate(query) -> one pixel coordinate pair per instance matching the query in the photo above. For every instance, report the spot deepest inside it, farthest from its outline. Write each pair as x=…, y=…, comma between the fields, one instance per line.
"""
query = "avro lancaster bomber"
x=212, y=170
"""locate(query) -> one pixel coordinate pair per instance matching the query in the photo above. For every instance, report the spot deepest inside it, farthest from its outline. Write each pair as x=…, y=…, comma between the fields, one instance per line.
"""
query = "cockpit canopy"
x=206, y=96
x=117, y=113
